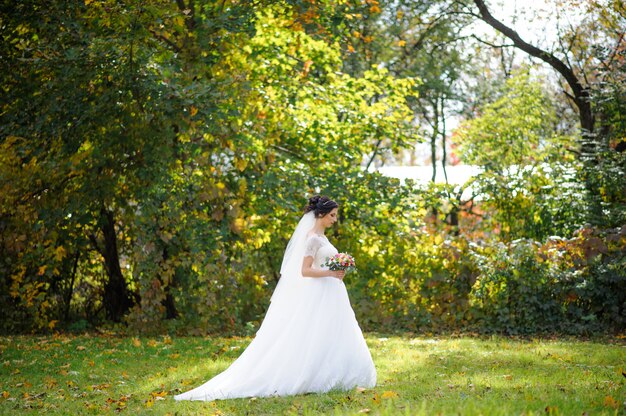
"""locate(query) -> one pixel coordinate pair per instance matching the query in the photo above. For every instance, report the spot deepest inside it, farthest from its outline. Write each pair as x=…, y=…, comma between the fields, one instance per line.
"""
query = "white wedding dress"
x=308, y=342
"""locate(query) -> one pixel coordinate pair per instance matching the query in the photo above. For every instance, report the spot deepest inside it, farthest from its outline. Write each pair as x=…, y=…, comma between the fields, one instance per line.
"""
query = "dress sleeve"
x=312, y=245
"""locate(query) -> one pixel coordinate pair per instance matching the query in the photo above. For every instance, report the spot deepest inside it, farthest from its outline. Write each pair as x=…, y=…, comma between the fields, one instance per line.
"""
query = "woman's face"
x=329, y=219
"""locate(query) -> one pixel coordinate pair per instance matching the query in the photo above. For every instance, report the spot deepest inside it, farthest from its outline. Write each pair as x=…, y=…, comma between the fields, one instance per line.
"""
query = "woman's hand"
x=339, y=274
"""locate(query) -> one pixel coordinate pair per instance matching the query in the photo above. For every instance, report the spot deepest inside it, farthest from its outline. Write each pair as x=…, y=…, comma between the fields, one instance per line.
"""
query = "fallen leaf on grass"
x=609, y=401
x=91, y=406
x=50, y=382
x=508, y=377
x=366, y=410
x=136, y=342
x=551, y=409
x=390, y=395
x=99, y=387
x=159, y=394
x=6, y=394
x=81, y=348
x=34, y=396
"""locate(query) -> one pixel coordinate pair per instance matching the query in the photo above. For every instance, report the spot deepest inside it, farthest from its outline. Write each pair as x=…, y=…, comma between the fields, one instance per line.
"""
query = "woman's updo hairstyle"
x=320, y=205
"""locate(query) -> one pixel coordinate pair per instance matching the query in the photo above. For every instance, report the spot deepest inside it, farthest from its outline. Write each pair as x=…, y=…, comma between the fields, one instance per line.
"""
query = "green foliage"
x=527, y=180
x=155, y=158
x=514, y=292
x=514, y=130
x=571, y=286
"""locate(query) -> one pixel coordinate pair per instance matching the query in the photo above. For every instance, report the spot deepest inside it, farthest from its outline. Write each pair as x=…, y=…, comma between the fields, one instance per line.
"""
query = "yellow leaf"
x=81, y=348
x=161, y=393
x=241, y=164
x=194, y=110
x=42, y=270
x=402, y=43
x=59, y=253
x=149, y=403
x=389, y=395
x=5, y=394
x=136, y=342
x=609, y=401
x=237, y=225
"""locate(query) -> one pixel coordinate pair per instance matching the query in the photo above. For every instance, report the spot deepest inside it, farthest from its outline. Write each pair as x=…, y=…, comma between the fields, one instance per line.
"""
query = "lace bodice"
x=318, y=247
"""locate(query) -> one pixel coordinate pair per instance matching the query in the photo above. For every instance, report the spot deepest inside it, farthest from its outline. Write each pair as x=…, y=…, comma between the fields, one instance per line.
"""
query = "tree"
x=577, y=79
x=516, y=142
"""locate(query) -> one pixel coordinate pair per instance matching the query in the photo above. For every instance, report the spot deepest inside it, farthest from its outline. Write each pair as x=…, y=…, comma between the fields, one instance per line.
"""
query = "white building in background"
x=457, y=175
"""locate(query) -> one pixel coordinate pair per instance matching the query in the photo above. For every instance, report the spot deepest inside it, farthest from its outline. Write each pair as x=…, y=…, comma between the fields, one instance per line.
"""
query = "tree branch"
x=581, y=93
x=491, y=44
x=166, y=40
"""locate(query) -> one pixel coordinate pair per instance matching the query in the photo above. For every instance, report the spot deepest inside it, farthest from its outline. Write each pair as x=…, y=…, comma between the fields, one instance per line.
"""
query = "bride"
x=309, y=341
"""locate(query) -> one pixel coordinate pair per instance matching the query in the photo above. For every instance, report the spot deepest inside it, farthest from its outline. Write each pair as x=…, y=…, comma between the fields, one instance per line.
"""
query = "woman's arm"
x=309, y=271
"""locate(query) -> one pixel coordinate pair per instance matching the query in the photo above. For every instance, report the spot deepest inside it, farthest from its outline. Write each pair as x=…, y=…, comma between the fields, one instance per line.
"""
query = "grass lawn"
x=416, y=376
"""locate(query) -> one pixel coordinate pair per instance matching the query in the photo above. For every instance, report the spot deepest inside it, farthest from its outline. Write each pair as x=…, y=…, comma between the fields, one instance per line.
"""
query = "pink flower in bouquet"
x=340, y=261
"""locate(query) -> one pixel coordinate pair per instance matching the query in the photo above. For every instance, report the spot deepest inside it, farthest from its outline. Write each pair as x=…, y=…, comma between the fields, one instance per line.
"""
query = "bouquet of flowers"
x=340, y=261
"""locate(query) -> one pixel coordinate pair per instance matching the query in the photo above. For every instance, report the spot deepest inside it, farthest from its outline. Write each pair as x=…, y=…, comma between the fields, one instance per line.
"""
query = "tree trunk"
x=444, y=153
x=67, y=296
x=433, y=139
x=117, y=299
x=168, y=302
